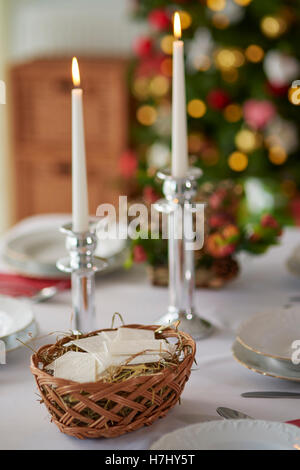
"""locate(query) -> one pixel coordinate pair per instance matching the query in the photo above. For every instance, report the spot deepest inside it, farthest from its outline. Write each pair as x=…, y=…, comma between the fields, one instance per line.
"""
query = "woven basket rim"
x=35, y=360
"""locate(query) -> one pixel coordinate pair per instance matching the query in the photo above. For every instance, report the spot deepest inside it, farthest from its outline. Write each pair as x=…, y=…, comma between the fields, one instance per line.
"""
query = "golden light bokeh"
x=166, y=44
x=220, y=20
x=233, y=112
x=146, y=115
x=216, y=5
x=245, y=140
x=159, y=85
x=277, y=155
x=294, y=95
x=185, y=19
x=242, y=3
x=225, y=59
x=229, y=58
x=238, y=161
x=196, y=108
x=254, y=53
x=140, y=87
x=273, y=26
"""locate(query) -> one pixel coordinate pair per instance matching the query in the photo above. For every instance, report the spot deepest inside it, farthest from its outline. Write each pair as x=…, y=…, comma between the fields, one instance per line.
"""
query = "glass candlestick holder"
x=82, y=265
x=180, y=210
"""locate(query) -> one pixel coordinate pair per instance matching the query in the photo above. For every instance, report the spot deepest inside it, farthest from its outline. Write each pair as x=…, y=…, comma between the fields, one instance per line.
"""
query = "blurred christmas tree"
x=241, y=59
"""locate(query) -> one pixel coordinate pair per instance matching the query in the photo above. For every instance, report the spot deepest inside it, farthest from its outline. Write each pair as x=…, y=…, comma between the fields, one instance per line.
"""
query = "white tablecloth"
x=217, y=380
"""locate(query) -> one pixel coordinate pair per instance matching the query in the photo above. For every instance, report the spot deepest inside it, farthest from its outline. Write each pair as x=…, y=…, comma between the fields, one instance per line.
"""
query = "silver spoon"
x=44, y=294
x=229, y=413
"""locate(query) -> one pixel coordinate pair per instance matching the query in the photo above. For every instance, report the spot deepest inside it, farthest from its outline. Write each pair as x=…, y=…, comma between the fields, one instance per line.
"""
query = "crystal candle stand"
x=179, y=194
x=82, y=265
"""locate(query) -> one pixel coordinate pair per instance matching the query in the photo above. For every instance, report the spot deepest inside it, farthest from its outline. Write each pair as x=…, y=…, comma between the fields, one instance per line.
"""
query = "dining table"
x=264, y=284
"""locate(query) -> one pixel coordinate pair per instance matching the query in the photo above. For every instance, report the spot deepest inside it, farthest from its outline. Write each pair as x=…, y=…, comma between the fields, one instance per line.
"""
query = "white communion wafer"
x=76, y=366
x=93, y=344
x=122, y=347
x=134, y=334
x=108, y=335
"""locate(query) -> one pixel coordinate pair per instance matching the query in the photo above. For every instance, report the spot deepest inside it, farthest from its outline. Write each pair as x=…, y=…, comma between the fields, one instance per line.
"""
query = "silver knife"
x=271, y=395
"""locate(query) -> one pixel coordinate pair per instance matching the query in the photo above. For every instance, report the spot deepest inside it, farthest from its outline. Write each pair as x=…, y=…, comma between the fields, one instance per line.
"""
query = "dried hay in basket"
x=127, y=398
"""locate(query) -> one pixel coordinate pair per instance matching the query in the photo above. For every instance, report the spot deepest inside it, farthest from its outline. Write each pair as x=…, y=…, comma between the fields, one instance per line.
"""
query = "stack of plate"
x=17, y=324
x=35, y=253
x=266, y=343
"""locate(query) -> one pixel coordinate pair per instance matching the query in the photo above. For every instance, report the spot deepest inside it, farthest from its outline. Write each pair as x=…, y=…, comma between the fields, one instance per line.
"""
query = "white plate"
x=36, y=253
x=271, y=333
x=265, y=365
x=16, y=322
x=232, y=435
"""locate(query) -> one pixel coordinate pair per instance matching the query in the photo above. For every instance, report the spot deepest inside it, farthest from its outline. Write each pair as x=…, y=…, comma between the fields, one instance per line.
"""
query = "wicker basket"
x=146, y=398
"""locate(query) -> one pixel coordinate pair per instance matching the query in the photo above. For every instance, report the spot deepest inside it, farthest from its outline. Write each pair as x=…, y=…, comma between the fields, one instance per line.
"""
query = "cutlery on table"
x=229, y=413
x=271, y=395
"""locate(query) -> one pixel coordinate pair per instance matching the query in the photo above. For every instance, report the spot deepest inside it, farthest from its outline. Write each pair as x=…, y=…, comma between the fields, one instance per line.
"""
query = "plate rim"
x=251, y=348
x=260, y=371
x=288, y=429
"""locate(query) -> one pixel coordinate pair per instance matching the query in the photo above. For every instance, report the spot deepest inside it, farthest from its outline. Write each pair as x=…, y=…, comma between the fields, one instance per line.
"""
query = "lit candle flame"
x=177, y=25
x=75, y=72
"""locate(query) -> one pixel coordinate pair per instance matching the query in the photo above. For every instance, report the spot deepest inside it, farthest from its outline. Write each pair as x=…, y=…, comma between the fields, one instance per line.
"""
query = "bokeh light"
x=220, y=20
x=227, y=59
x=216, y=5
x=254, y=53
x=273, y=26
x=196, y=108
x=238, y=161
x=166, y=44
x=245, y=140
x=185, y=19
x=233, y=112
x=146, y=115
x=159, y=85
x=140, y=87
x=277, y=155
x=242, y=3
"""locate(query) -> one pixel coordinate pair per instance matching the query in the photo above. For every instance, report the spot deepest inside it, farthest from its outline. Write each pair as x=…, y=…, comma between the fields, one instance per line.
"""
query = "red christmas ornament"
x=276, y=90
x=143, y=46
x=128, y=164
x=217, y=99
x=159, y=19
x=139, y=254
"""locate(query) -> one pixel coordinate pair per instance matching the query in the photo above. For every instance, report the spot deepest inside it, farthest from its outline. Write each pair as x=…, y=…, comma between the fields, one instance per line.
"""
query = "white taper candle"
x=80, y=208
x=179, y=118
